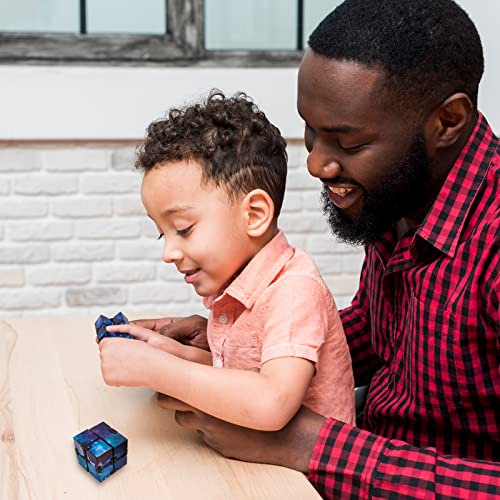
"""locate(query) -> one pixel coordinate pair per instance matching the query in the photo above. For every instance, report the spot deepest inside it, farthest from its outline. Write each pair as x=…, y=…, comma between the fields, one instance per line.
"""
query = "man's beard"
x=400, y=194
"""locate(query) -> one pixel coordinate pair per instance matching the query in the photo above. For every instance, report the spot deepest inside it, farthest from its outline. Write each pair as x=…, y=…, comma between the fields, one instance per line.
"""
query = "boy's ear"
x=259, y=212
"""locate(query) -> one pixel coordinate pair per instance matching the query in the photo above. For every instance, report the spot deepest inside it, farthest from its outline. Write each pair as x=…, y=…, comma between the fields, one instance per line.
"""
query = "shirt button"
x=223, y=319
x=218, y=363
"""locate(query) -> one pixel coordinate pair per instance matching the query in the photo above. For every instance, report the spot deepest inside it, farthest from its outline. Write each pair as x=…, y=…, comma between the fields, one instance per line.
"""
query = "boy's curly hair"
x=236, y=145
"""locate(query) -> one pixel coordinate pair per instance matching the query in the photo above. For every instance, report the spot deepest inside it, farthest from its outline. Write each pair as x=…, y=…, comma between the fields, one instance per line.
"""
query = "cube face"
x=121, y=462
x=120, y=319
x=84, y=440
x=100, y=326
x=101, y=450
x=117, y=441
x=102, y=473
x=103, y=321
x=102, y=429
x=82, y=461
x=100, y=453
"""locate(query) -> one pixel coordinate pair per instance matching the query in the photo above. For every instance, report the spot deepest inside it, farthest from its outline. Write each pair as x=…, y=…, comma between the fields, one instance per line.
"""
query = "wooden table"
x=51, y=389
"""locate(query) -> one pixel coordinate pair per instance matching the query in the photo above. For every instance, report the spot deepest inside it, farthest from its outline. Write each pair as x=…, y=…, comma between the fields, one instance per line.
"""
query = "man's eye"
x=160, y=236
x=352, y=149
x=183, y=232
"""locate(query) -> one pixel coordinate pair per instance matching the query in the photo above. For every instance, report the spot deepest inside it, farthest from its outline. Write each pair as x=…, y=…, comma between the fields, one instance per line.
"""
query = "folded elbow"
x=275, y=416
x=274, y=426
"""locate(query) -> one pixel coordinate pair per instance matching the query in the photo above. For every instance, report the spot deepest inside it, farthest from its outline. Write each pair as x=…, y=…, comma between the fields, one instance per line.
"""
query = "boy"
x=214, y=182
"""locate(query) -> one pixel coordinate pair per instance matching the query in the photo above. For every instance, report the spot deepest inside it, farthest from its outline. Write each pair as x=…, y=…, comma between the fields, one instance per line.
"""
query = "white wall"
x=61, y=102
x=74, y=238
x=39, y=102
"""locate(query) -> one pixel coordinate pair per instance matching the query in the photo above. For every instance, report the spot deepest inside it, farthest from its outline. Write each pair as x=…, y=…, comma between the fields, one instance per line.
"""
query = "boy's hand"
x=191, y=330
x=125, y=362
x=152, y=338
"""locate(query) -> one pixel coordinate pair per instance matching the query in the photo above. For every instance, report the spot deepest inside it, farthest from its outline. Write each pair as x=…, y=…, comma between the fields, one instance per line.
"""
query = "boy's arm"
x=163, y=343
x=264, y=400
x=190, y=330
x=193, y=354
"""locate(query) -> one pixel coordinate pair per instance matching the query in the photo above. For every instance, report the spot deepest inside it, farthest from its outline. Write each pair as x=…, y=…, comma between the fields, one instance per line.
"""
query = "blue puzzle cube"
x=101, y=450
x=103, y=321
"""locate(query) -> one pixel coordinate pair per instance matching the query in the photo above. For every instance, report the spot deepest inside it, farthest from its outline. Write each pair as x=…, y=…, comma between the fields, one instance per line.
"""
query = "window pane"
x=314, y=12
x=51, y=16
x=127, y=16
x=255, y=24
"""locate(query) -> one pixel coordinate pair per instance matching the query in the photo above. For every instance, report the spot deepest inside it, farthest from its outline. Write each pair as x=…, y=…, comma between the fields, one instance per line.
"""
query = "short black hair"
x=428, y=49
x=236, y=145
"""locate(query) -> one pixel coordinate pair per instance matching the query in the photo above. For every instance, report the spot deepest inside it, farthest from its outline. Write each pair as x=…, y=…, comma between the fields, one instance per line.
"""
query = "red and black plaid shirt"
x=424, y=332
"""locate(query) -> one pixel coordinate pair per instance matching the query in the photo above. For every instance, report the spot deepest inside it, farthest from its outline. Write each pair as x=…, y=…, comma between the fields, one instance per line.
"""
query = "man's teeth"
x=340, y=191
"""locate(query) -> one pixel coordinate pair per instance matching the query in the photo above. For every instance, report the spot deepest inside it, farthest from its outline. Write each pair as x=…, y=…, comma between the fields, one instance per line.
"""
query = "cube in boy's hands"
x=101, y=450
x=103, y=321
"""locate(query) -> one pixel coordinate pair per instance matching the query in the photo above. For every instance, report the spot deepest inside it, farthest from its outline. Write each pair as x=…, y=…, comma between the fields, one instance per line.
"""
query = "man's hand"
x=191, y=330
x=290, y=447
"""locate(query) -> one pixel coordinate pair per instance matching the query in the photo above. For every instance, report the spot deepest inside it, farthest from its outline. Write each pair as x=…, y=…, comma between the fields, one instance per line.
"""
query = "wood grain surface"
x=51, y=389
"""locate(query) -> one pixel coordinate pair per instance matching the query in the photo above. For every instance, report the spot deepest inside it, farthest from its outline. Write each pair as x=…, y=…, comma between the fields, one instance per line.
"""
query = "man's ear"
x=448, y=122
x=259, y=212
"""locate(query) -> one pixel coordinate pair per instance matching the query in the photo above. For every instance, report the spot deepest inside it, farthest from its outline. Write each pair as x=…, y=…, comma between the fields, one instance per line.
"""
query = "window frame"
x=182, y=45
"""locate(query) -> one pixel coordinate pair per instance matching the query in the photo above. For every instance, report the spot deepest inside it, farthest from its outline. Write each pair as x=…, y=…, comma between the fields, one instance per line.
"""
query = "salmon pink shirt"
x=279, y=306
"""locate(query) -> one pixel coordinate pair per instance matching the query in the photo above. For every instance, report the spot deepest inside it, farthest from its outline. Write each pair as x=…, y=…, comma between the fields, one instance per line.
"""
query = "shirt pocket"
x=432, y=366
x=242, y=350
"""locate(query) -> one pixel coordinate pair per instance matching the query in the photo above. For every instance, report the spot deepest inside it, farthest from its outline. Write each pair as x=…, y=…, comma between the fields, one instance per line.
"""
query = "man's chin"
x=352, y=235
x=354, y=230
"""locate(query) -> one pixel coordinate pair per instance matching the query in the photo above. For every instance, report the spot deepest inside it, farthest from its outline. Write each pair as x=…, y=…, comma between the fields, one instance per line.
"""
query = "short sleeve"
x=297, y=310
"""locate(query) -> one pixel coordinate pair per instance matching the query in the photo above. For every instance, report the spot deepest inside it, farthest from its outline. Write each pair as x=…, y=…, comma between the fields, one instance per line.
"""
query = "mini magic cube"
x=101, y=450
x=103, y=321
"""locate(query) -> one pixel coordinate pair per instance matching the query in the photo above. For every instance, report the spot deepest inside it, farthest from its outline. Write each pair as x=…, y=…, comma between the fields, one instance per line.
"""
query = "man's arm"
x=364, y=465
x=351, y=462
x=347, y=462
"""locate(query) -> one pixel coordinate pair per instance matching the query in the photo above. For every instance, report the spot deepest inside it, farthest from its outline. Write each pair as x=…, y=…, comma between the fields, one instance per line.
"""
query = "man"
x=410, y=169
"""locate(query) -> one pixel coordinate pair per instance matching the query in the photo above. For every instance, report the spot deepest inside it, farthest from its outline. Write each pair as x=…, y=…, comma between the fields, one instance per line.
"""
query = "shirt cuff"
x=290, y=351
x=344, y=460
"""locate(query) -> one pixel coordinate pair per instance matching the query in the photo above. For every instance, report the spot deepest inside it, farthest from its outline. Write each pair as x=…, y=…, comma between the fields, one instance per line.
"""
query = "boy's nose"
x=171, y=253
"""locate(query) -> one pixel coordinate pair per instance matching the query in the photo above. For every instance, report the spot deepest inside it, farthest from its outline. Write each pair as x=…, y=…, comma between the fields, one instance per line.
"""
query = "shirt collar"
x=445, y=221
x=258, y=273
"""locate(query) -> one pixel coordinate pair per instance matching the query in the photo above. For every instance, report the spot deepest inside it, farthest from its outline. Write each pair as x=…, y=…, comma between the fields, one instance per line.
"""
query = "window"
x=100, y=30
x=176, y=32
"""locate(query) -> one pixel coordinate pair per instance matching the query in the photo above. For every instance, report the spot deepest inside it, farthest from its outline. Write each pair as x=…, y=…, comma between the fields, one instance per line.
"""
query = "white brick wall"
x=74, y=238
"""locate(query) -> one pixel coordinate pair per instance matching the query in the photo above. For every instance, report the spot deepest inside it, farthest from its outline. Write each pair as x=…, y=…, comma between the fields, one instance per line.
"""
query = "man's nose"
x=171, y=252
x=321, y=164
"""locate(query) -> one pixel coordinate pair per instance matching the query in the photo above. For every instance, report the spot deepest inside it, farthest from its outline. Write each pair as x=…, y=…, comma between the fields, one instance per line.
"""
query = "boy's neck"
x=259, y=244
x=271, y=232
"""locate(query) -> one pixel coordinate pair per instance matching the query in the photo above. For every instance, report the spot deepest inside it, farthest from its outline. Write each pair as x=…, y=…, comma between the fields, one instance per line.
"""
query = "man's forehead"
x=316, y=69
x=346, y=87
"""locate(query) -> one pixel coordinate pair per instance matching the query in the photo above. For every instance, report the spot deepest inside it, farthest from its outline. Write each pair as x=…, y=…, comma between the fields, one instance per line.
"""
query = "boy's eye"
x=183, y=232
x=160, y=236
